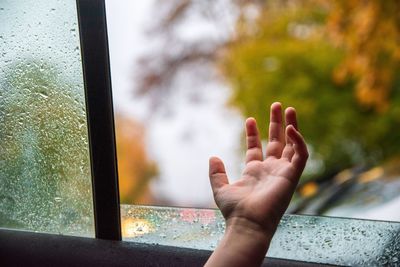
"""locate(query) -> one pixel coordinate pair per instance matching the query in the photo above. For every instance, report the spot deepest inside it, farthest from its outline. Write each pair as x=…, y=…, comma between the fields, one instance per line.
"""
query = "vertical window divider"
x=97, y=80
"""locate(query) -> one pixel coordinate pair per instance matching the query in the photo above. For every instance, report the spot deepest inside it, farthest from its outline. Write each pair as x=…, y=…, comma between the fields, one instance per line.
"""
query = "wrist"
x=246, y=227
x=244, y=243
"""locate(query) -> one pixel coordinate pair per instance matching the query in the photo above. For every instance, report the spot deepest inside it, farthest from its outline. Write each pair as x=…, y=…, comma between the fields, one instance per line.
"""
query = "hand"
x=253, y=205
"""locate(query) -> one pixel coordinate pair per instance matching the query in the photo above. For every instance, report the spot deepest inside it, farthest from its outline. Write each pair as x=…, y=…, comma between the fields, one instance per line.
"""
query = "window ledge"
x=20, y=248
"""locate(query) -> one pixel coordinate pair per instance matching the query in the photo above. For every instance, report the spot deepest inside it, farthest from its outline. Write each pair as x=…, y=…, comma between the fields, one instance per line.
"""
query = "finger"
x=300, y=148
x=276, y=140
x=291, y=118
x=254, y=149
x=217, y=173
x=288, y=151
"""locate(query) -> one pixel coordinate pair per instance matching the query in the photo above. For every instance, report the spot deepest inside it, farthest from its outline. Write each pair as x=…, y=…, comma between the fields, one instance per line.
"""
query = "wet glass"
x=45, y=181
x=325, y=240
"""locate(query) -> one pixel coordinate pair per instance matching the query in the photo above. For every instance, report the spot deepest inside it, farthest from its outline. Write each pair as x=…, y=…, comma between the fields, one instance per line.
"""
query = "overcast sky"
x=182, y=142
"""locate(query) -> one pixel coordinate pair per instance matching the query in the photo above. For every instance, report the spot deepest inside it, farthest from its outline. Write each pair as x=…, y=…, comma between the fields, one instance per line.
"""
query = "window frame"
x=20, y=248
x=100, y=116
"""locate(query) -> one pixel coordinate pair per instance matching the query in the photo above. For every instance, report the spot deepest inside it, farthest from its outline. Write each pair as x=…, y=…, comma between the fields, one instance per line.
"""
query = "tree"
x=369, y=33
x=285, y=54
x=135, y=169
x=173, y=53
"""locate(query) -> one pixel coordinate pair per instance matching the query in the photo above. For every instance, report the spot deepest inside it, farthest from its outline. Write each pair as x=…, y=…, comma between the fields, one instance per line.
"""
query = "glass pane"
x=45, y=182
x=338, y=241
x=187, y=73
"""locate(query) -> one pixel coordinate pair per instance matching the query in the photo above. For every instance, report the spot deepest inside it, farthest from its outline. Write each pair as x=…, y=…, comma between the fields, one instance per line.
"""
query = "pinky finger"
x=300, y=149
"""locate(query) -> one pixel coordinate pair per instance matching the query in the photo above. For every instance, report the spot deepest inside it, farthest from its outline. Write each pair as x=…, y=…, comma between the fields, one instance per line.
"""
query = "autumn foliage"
x=135, y=169
x=369, y=33
x=336, y=62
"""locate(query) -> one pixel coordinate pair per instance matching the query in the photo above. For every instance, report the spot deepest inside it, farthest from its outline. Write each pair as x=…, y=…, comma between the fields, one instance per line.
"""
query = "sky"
x=182, y=141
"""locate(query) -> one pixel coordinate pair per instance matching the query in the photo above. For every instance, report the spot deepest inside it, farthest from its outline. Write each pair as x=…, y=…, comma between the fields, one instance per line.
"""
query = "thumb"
x=217, y=173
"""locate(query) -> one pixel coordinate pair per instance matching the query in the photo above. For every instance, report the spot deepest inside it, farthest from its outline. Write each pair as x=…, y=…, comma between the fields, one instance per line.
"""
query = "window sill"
x=20, y=248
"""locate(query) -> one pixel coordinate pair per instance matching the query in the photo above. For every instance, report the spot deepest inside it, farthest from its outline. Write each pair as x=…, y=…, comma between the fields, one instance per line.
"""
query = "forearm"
x=243, y=244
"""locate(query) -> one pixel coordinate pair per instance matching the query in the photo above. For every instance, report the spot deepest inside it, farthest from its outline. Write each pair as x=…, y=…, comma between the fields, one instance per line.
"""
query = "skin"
x=253, y=205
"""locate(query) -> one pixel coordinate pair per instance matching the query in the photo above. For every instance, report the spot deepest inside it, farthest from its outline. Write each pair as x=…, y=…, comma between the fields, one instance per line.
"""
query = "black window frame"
x=100, y=117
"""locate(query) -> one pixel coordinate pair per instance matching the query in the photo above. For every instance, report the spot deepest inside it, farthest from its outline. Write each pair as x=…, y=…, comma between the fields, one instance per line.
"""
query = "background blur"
x=187, y=73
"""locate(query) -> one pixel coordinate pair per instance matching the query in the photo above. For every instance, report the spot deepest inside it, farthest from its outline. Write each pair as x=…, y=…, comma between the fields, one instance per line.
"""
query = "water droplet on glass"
x=43, y=95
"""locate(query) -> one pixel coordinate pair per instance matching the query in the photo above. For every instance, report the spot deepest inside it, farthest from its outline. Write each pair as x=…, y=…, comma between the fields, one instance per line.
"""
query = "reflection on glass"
x=45, y=180
x=338, y=241
x=184, y=60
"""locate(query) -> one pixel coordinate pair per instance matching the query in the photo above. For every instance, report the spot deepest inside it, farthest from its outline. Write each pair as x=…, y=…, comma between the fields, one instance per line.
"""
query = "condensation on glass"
x=324, y=240
x=45, y=182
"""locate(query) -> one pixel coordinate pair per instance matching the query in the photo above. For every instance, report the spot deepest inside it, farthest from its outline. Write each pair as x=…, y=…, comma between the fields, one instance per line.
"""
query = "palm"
x=263, y=192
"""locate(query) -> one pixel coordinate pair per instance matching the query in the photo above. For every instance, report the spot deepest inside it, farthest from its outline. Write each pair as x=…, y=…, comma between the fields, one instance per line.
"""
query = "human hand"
x=253, y=205
x=263, y=193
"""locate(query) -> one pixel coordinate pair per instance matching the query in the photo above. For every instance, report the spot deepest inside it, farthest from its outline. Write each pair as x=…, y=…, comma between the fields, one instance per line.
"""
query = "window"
x=311, y=239
x=167, y=88
x=45, y=175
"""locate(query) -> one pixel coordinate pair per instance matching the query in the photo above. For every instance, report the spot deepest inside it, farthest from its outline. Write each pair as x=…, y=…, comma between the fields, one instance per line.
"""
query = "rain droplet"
x=44, y=95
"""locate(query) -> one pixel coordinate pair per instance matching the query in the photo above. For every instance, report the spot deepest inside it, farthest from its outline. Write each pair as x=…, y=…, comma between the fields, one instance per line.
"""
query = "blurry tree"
x=135, y=169
x=172, y=51
x=369, y=32
x=285, y=54
x=45, y=182
x=335, y=61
